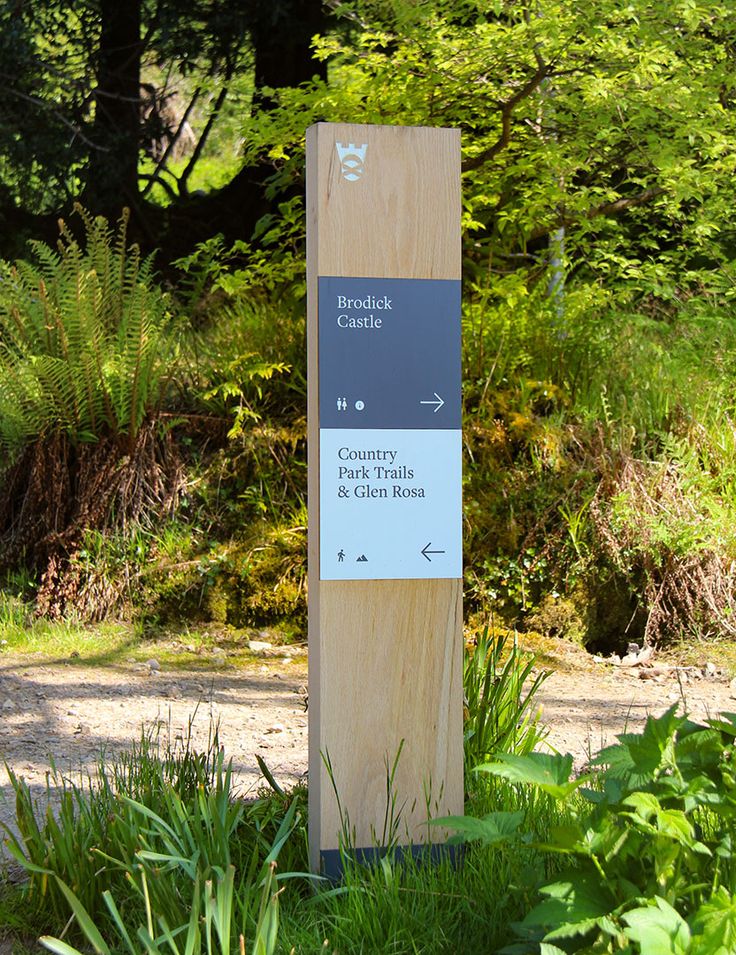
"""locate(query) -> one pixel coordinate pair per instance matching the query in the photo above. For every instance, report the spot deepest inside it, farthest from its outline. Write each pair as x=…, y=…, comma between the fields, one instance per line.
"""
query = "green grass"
x=171, y=817
x=119, y=643
x=153, y=829
x=144, y=839
x=460, y=908
x=65, y=639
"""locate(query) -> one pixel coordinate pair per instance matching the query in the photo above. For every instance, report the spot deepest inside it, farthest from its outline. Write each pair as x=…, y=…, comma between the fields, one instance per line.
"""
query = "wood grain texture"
x=385, y=656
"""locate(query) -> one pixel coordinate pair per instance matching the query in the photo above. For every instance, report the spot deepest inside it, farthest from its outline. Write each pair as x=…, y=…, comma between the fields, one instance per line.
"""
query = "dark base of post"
x=333, y=862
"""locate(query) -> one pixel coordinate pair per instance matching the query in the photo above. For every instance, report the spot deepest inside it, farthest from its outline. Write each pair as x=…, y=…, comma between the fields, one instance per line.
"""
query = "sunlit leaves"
x=613, y=120
x=550, y=773
x=652, y=843
x=81, y=340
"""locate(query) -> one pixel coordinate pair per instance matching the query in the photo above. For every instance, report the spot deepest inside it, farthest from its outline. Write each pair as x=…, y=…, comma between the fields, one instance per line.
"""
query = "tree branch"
x=155, y=178
x=183, y=179
x=507, y=108
x=36, y=101
x=608, y=209
x=172, y=142
x=621, y=205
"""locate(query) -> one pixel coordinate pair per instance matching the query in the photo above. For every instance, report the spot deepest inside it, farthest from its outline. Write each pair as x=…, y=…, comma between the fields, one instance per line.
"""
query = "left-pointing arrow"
x=438, y=402
x=426, y=551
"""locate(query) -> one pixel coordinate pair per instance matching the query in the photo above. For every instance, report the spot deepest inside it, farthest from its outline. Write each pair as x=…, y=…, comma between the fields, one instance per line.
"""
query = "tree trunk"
x=282, y=40
x=281, y=34
x=112, y=173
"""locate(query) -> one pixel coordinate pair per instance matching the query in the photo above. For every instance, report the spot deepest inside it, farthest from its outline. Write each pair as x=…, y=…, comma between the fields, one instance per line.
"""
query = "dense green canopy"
x=613, y=121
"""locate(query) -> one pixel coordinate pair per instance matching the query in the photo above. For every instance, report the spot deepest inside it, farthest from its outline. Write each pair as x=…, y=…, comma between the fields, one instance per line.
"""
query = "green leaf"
x=724, y=723
x=574, y=906
x=268, y=917
x=85, y=922
x=56, y=945
x=492, y=829
x=672, y=823
x=638, y=757
x=548, y=772
x=714, y=925
x=286, y=827
x=565, y=838
x=658, y=929
x=118, y=920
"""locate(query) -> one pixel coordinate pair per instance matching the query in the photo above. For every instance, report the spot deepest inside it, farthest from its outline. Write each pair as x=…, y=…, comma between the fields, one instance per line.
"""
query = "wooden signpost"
x=385, y=558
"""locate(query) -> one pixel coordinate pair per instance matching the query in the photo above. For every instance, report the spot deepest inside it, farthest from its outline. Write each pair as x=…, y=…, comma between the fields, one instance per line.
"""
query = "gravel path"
x=69, y=712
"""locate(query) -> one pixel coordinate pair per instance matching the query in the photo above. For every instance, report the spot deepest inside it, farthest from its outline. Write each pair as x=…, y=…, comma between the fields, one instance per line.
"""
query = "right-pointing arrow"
x=426, y=551
x=439, y=402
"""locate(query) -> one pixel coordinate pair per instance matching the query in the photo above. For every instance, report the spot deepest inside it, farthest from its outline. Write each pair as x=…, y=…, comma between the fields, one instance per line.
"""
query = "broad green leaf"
x=672, y=823
x=572, y=907
x=566, y=837
x=645, y=805
x=549, y=772
x=658, y=929
x=701, y=749
x=638, y=757
x=714, y=925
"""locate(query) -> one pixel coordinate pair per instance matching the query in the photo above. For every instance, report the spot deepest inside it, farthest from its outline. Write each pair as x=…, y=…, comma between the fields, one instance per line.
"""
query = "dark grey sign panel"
x=389, y=353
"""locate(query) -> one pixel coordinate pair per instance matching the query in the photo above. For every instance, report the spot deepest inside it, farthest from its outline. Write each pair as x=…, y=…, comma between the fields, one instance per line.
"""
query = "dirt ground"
x=70, y=712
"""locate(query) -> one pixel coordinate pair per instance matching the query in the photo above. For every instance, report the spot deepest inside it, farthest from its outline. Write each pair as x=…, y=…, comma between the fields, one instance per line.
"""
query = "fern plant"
x=82, y=339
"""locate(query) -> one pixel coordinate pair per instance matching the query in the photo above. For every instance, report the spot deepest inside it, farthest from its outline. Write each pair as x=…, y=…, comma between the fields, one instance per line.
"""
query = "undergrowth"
x=159, y=852
x=598, y=440
x=633, y=857
x=86, y=350
x=647, y=848
x=160, y=832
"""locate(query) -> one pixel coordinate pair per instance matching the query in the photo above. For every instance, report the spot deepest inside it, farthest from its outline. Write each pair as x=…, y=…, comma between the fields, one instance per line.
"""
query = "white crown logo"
x=352, y=158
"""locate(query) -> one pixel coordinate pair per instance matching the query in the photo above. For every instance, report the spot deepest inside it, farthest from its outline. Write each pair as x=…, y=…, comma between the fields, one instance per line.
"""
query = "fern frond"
x=83, y=333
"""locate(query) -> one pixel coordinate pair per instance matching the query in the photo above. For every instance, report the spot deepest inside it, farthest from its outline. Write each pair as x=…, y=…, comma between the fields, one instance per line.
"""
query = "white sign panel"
x=390, y=504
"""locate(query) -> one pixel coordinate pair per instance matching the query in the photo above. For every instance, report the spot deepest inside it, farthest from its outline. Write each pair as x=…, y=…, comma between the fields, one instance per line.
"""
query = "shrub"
x=82, y=340
x=649, y=844
x=84, y=360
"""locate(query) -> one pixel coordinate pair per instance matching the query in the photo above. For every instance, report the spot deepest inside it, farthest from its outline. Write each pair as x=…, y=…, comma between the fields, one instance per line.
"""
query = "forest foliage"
x=599, y=281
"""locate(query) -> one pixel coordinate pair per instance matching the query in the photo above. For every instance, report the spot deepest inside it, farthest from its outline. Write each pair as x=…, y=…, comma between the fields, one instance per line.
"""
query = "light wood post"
x=385, y=634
